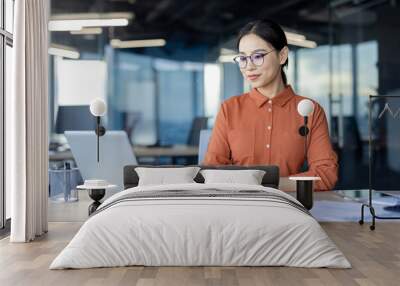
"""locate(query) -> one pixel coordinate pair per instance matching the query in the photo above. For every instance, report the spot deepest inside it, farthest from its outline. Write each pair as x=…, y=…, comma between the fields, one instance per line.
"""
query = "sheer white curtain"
x=28, y=116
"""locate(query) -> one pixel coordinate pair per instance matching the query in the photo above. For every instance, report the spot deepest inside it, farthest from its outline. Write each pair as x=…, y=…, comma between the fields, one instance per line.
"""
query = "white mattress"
x=200, y=231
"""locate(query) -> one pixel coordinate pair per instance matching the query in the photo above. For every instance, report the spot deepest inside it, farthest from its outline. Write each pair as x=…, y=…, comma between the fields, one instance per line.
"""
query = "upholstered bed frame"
x=270, y=179
x=201, y=225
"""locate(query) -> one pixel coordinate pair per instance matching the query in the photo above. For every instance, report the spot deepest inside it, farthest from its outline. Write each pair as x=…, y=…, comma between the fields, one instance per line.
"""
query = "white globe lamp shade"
x=305, y=107
x=98, y=107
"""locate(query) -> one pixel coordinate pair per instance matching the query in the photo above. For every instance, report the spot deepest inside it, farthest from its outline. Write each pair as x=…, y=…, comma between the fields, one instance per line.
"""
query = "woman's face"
x=270, y=69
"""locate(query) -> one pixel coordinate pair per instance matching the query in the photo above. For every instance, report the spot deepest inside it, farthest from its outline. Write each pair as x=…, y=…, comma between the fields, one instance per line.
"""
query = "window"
x=178, y=83
x=6, y=42
x=313, y=74
x=212, y=89
x=367, y=82
x=9, y=15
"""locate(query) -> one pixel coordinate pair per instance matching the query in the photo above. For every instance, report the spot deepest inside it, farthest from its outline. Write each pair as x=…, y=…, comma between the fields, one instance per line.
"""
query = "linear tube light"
x=63, y=51
x=115, y=43
x=304, y=43
x=88, y=31
x=294, y=36
x=296, y=39
x=88, y=16
x=77, y=25
x=226, y=58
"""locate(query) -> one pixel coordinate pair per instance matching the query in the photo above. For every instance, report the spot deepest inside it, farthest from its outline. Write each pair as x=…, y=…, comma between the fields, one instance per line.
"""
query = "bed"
x=198, y=224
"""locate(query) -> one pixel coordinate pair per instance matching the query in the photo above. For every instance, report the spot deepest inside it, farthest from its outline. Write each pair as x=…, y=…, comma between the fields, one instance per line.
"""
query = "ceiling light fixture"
x=226, y=58
x=304, y=43
x=116, y=43
x=77, y=25
x=63, y=51
x=296, y=39
x=91, y=16
x=294, y=36
x=88, y=31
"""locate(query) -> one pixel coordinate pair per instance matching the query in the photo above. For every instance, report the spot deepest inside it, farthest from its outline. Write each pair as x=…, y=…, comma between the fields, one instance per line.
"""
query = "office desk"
x=60, y=155
x=172, y=152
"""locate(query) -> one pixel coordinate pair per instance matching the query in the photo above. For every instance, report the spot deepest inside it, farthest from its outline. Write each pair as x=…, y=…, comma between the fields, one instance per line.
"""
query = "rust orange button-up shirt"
x=251, y=129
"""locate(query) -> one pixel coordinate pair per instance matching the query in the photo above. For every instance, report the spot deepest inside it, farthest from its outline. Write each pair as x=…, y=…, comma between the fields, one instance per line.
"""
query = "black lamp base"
x=96, y=195
x=100, y=131
x=304, y=193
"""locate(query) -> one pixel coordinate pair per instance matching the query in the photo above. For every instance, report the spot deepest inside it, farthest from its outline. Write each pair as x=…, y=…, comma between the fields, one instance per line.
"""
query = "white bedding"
x=200, y=231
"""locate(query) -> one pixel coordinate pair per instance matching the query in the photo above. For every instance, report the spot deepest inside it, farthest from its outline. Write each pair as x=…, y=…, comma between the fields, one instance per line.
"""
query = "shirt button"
x=270, y=101
x=269, y=109
x=269, y=127
x=268, y=146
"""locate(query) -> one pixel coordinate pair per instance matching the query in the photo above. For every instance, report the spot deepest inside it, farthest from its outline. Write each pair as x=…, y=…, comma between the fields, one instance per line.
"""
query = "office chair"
x=353, y=171
x=198, y=124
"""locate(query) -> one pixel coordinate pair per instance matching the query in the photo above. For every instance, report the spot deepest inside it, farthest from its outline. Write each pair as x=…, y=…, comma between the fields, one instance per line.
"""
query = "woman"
x=261, y=127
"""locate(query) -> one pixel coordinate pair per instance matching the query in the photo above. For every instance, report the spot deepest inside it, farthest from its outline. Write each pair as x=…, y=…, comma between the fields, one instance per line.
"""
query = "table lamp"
x=98, y=108
x=304, y=187
x=305, y=108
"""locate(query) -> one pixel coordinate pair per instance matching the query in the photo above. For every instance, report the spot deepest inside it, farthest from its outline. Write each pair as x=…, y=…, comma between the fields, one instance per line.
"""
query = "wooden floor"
x=375, y=257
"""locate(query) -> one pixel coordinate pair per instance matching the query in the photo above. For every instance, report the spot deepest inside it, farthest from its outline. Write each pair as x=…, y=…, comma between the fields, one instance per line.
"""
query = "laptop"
x=115, y=152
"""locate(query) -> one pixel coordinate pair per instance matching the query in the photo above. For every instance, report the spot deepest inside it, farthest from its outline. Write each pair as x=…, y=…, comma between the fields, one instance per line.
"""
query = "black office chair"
x=351, y=134
x=198, y=124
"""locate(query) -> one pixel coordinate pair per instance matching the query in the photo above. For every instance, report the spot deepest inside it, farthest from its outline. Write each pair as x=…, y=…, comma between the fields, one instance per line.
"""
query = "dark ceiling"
x=204, y=25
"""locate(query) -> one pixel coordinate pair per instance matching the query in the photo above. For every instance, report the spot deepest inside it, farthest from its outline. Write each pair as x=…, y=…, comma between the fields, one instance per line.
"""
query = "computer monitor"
x=74, y=117
x=198, y=124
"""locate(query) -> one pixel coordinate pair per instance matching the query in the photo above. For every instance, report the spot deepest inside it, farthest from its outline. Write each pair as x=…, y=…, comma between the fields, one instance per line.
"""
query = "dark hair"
x=270, y=32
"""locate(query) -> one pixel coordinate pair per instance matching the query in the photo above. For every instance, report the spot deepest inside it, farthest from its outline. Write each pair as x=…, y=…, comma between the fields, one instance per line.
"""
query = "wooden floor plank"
x=375, y=257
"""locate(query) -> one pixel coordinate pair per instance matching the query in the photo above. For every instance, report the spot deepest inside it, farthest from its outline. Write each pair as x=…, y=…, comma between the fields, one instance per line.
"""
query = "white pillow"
x=163, y=176
x=249, y=177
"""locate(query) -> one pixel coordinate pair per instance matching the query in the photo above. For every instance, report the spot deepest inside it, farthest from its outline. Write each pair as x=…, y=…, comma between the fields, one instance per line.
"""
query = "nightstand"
x=96, y=193
x=304, y=190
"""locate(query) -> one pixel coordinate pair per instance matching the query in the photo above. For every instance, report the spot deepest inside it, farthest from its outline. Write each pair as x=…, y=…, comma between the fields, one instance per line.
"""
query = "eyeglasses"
x=257, y=59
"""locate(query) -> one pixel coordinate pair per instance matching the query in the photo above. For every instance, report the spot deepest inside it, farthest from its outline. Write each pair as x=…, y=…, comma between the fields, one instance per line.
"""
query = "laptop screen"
x=115, y=152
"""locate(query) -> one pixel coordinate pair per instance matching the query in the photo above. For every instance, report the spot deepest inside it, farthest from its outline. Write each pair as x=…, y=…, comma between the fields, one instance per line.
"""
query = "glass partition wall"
x=363, y=61
x=154, y=94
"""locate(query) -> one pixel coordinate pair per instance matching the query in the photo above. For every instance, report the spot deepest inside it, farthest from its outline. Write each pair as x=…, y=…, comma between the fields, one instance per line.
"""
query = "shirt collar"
x=280, y=99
